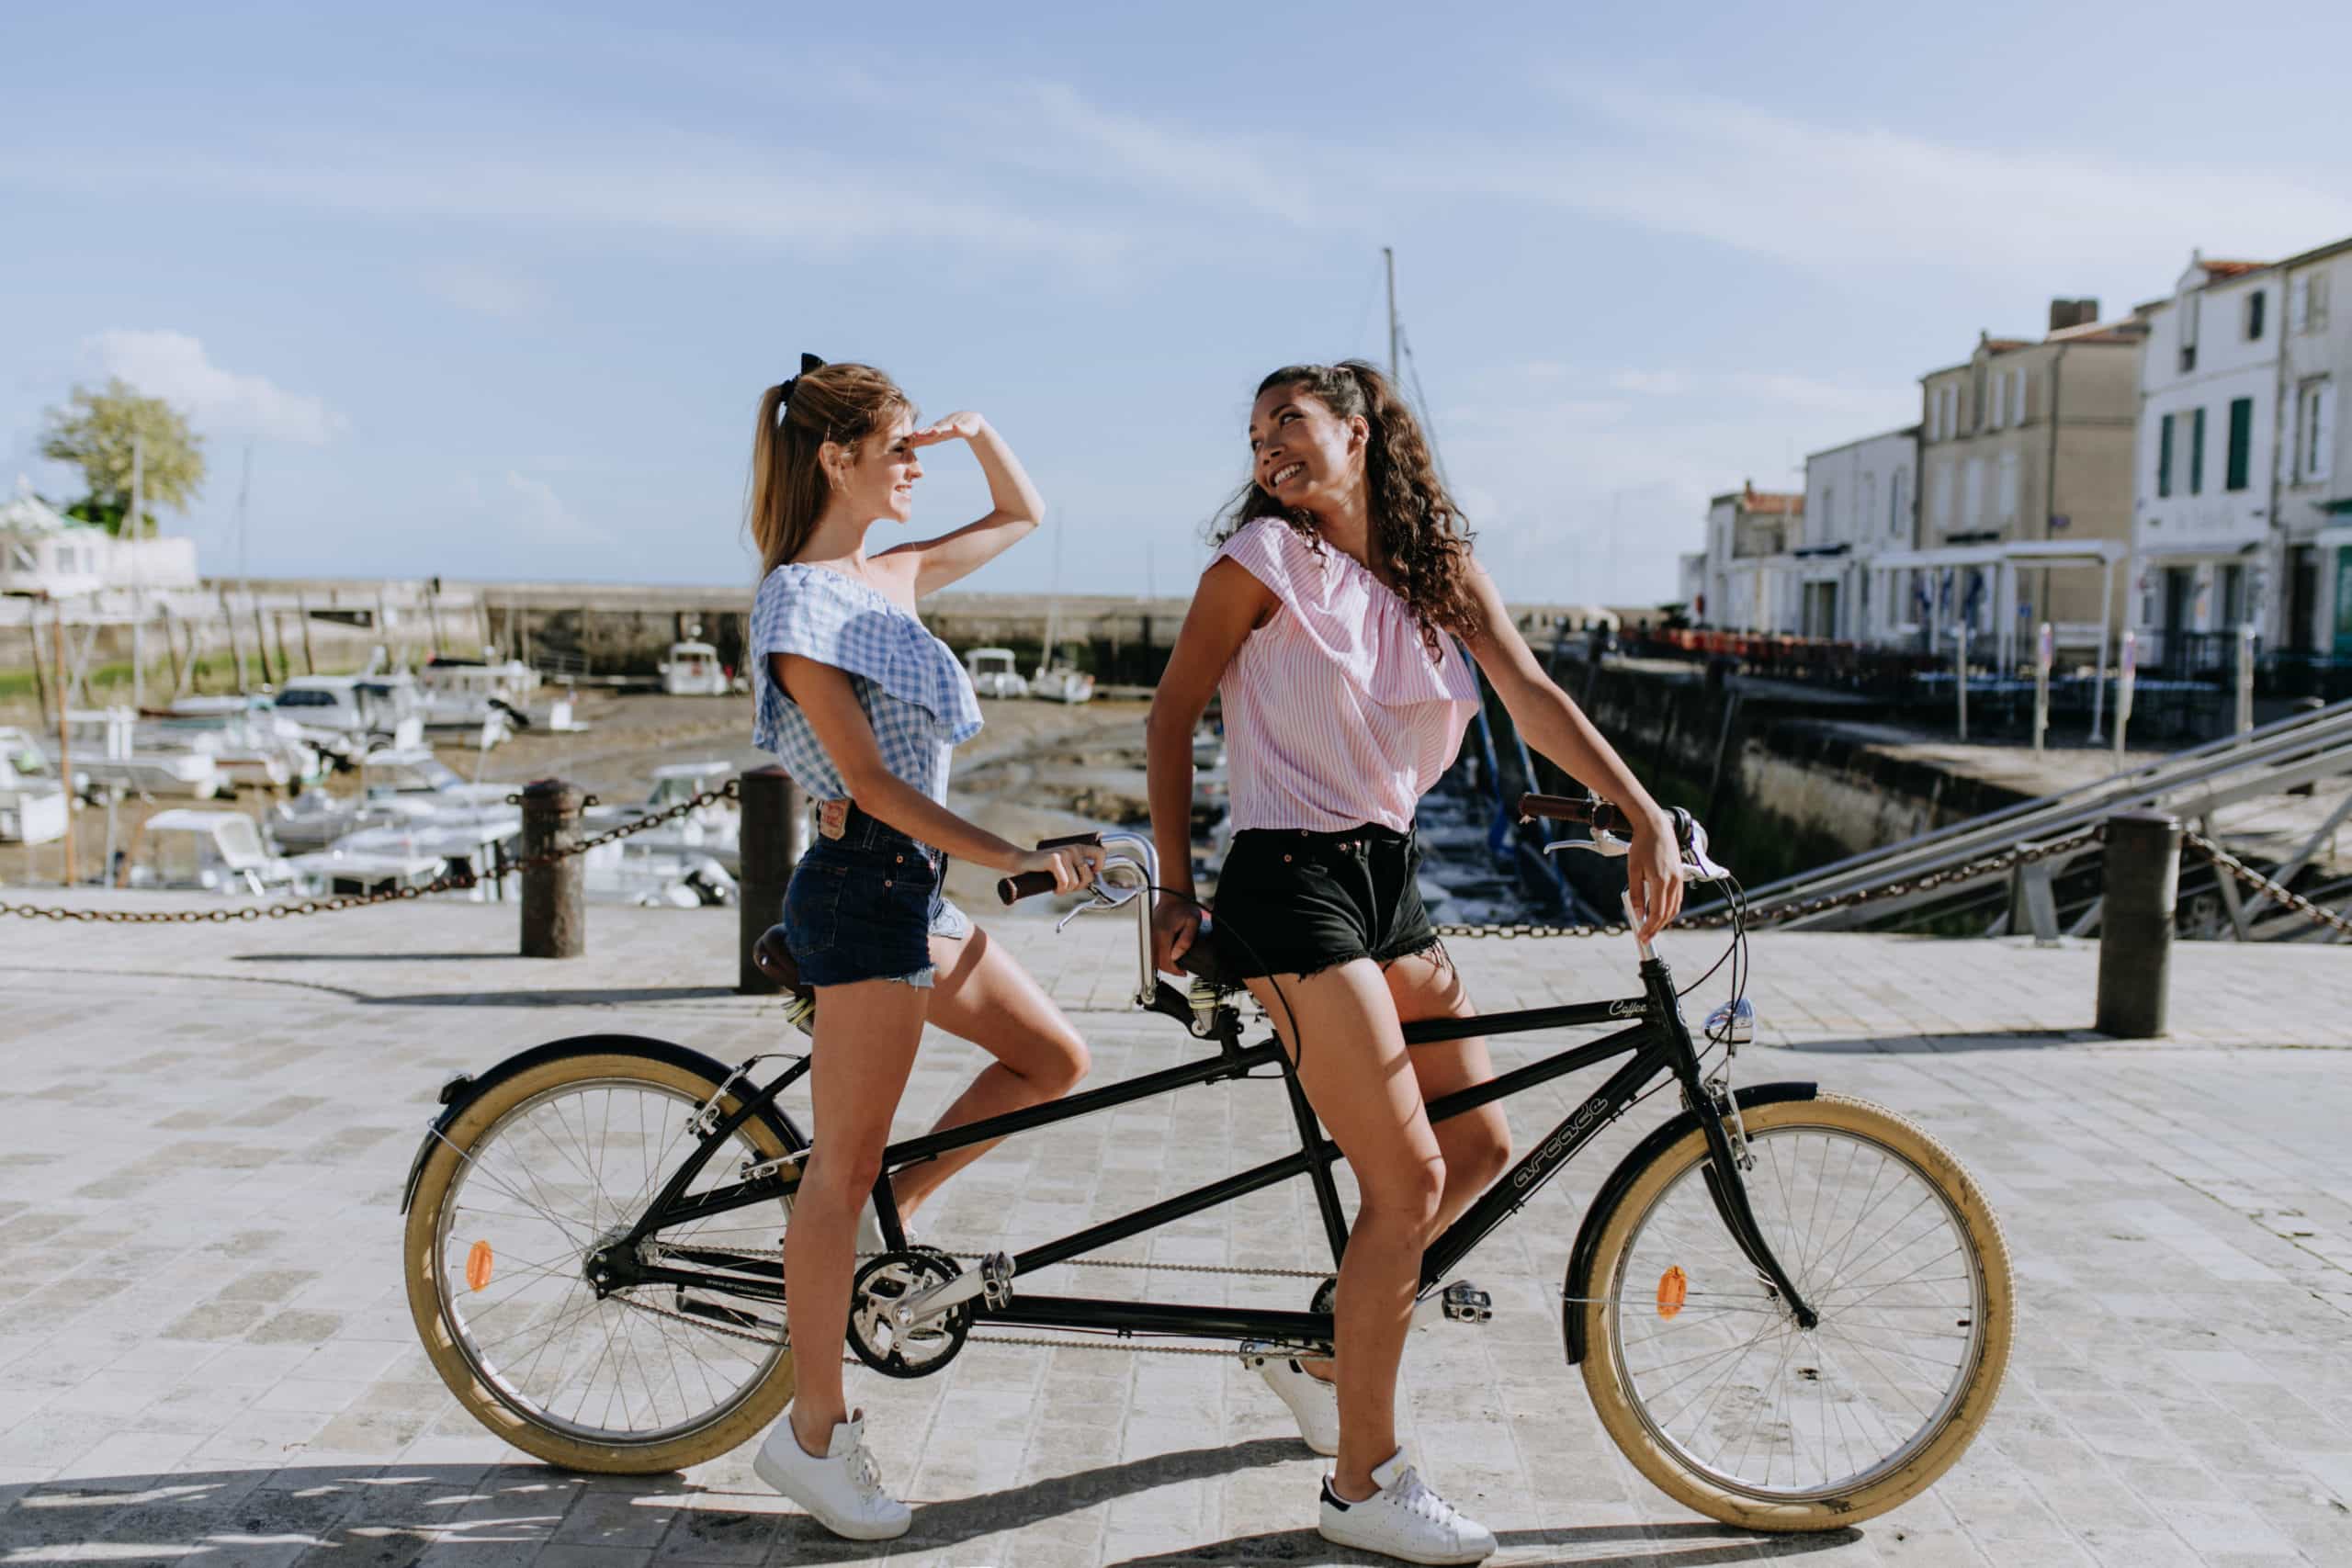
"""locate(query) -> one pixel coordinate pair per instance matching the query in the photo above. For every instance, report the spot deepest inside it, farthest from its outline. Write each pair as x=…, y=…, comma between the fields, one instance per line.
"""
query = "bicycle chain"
x=2277, y=892
x=455, y=882
x=1078, y=1342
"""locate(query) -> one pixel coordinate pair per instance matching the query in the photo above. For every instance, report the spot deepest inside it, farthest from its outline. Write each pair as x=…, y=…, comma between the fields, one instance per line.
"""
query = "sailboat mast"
x=1388, y=259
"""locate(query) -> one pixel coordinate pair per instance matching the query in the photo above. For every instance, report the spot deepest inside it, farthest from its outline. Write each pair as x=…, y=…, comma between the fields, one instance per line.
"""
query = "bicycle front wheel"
x=1701, y=1374
x=546, y=1166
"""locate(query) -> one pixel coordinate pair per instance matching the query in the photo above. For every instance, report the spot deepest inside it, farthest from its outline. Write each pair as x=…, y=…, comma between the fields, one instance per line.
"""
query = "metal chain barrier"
x=2277, y=892
x=1985, y=865
x=453, y=881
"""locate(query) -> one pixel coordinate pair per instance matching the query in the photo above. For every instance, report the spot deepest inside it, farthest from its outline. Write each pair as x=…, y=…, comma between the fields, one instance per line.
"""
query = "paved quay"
x=206, y=1355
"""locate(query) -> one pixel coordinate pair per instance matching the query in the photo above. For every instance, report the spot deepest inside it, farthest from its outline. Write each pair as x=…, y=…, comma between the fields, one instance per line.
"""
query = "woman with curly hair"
x=1328, y=621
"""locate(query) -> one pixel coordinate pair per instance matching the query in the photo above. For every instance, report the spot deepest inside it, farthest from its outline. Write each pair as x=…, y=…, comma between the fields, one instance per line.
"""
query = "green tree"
x=95, y=431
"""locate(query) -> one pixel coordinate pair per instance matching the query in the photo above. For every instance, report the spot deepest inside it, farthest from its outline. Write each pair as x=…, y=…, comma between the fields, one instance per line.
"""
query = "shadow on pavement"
x=1582, y=1546
x=615, y=996
x=1921, y=1045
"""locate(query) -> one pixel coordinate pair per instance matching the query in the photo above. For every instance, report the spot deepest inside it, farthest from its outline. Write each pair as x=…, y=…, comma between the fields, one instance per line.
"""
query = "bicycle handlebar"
x=1013, y=889
x=1598, y=815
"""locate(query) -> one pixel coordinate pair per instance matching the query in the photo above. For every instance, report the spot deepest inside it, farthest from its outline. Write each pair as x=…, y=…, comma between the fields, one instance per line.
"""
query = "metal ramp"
x=2193, y=786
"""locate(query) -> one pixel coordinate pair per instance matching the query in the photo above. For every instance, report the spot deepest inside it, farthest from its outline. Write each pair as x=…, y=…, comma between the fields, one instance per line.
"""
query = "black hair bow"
x=808, y=362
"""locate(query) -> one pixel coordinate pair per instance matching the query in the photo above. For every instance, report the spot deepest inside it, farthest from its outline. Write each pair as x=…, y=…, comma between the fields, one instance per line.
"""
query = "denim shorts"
x=866, y=906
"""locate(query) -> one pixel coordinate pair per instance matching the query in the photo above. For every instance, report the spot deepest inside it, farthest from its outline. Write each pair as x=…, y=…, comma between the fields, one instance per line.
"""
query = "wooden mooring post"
x=2142, y=874
x=555, y=918
x=775, y=833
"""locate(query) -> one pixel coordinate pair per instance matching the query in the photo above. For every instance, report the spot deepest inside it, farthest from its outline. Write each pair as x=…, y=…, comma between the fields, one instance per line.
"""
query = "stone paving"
x=206, y=1354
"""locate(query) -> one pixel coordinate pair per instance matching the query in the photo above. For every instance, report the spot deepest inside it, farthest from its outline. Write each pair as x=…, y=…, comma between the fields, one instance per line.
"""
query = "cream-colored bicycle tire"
x=1878, y=1493
x=423, y=1252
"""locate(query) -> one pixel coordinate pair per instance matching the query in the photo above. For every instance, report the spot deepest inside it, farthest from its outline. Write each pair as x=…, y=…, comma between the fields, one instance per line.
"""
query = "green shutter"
x=2197, y=453
x=2164, y=456
x=2241, y=441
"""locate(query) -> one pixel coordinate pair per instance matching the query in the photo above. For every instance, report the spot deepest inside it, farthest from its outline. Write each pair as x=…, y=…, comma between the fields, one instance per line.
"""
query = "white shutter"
x=2299, y=303
x=2001, y=399
x=2017, y=400
x=2322, y=457
x=1971, y=500
x=1941, y=506
x=2007, y=499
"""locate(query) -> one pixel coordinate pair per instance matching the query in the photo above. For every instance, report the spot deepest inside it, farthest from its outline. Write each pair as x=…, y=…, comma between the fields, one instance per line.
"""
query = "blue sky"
x=491, y=291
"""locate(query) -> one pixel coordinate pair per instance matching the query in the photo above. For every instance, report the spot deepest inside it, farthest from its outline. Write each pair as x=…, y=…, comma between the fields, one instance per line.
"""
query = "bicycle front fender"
x=465, y=1088
x=1612, y=1190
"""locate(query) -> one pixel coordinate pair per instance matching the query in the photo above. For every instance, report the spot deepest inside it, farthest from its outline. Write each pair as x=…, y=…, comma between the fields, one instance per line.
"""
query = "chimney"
x=2065, y=313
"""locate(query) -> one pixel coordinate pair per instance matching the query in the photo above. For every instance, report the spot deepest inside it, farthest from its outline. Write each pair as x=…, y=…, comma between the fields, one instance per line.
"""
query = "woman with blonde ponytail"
x=862, y=707
x=1329, y=620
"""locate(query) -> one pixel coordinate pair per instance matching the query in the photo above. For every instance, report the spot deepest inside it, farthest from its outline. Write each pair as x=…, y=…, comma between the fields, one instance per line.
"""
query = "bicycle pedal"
x=1465, y=1302
x=996, y=1281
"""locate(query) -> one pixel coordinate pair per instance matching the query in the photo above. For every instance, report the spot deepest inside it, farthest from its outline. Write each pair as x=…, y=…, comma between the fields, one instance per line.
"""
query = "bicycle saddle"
x=771, y=958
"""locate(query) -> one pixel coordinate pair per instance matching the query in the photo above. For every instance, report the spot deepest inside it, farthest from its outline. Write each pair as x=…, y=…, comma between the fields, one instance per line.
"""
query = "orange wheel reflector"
x=477, y=1267
x=1673, y=1290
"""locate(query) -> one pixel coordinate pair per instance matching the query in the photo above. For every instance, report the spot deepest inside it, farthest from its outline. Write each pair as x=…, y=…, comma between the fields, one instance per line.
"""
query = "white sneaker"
x=1313, y=1403
x=1404, y=1519
x=843, y=1490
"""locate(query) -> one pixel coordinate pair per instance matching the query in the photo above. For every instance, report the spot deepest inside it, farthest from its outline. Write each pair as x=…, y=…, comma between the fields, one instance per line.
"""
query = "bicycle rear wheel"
x=545, y=1166
x=1703, y=1376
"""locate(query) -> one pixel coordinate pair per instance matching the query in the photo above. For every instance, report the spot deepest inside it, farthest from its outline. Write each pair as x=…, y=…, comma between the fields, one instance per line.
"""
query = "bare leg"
x=1477, y=1144
x=1361, y=1082
x=984, y=996
x=864, y=1046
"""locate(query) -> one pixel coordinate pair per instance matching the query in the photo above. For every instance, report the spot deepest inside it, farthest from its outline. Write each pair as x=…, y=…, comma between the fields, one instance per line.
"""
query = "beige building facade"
x=2029, y=441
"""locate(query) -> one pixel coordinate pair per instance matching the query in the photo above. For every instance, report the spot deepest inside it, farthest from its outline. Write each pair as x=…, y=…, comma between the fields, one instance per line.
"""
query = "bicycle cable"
x=1249, y=953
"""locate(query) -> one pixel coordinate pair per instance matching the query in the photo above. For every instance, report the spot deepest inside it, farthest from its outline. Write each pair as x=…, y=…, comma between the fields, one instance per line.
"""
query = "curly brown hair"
x=1420, y=538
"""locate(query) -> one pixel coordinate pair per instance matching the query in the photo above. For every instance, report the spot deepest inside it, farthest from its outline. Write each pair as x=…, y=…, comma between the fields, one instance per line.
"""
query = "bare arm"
x=1014, y=508
x=1229, y=604
x=1557, y=728
x=825, y=694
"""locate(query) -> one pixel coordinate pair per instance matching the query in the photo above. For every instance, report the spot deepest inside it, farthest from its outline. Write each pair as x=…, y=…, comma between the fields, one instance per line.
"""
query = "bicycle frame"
x=1656, y=1041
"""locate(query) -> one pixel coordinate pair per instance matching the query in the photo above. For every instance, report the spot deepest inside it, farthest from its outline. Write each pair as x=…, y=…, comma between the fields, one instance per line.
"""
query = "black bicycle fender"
x=464, y=1089
x=1604, y=1202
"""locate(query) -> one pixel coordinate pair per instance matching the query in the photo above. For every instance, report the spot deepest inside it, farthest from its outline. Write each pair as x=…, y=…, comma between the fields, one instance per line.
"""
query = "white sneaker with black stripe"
x=1404, y=1519
x=1314, y=1403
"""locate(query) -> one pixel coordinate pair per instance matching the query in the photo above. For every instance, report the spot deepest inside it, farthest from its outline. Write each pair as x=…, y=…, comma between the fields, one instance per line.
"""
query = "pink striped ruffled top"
x=1335, y=715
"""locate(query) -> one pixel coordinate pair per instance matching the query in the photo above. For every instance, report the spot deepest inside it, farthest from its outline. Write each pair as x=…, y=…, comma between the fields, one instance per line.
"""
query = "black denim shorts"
x=866, y=906
x=1290, y=902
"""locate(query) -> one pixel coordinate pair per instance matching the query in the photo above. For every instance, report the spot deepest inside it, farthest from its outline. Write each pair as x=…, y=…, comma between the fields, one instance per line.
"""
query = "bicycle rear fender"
x=1604, y=1202
x=467, y=1088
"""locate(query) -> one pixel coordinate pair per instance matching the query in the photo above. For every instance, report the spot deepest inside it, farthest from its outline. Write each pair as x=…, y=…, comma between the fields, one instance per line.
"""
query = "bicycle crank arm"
x=992, y=1280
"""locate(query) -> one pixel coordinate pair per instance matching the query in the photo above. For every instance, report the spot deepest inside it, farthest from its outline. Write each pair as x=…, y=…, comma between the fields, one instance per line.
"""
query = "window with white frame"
x=2299, y=304
x=1972, y=483
x=1898, y=502
x=2005, y=488
x=1939, y=502
x=2000, y=410
x=2017, y=396
x=2315, y=429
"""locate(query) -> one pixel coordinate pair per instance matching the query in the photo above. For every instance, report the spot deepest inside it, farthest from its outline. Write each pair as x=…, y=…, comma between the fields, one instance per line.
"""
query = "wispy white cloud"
x=665, y=183
x=175, y=366
x=485, y=289
x=1837, y=197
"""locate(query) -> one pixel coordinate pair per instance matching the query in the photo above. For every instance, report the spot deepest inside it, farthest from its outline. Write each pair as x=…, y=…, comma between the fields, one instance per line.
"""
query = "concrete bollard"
x=555, y=916
x=2143, y=867
x=776, y=831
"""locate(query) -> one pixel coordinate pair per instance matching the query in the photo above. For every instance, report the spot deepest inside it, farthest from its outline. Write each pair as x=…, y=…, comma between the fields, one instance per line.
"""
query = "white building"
x=43, y=552
x=1860, y=500
x=2206, y=553
x=2313, y=513
x=1751, y=582
x=1690, y=584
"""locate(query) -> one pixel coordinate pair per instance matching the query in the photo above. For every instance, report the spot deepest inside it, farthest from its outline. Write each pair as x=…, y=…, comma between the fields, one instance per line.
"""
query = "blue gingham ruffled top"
x=916, y=695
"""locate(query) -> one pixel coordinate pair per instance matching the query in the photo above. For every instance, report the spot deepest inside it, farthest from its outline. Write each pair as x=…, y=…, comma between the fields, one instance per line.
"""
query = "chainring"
x=882, y=1284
